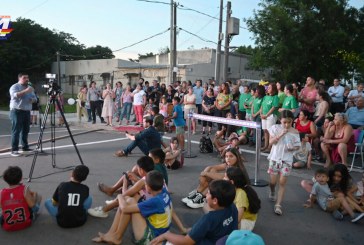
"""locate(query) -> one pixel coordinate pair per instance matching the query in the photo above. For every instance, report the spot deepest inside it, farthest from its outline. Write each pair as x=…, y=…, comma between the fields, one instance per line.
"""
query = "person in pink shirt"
x=307, y=97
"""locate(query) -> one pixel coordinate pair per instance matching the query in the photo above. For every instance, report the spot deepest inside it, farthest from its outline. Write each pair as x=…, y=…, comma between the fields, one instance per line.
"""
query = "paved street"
x=296, y=226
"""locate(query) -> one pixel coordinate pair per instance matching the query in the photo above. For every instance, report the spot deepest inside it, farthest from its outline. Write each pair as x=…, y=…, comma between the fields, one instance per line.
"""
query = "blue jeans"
x=53, y=210
x=142, y=144
x=20, y=125
x=126, y=110
x=89, y=114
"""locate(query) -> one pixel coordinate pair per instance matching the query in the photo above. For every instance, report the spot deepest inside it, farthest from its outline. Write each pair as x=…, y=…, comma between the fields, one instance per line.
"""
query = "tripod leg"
x=69, y=131
x=53, y=133
x=39, y=143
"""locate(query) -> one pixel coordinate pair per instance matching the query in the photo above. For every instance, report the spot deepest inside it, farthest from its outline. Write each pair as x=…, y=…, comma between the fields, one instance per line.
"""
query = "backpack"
x=206, y=145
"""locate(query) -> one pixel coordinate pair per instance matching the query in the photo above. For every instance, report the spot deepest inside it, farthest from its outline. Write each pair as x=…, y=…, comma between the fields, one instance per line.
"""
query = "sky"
x=120, y=23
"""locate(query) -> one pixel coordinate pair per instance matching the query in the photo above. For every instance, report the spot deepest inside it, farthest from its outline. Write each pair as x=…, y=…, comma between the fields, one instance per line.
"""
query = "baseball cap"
x=245, y=237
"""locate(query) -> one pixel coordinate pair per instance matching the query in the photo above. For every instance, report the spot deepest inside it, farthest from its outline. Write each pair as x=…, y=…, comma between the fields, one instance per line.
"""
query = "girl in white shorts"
x=284, y=140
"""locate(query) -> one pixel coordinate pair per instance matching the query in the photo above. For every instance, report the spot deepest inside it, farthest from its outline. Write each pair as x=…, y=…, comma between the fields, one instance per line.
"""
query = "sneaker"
x=108, y=202
x=120, y=154
x=15, y=154
x=338, y=215
x=357, y=217
x=190, y=196
x=197, y=202
x=97, y=212
x=27, y=150
x=272, y=196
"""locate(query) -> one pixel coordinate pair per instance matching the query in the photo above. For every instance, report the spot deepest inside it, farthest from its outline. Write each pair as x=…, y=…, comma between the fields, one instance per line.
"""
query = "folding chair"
x=358, y=146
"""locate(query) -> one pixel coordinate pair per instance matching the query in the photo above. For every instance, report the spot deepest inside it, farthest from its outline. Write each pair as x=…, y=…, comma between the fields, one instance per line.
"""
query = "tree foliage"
x=297, y=38
x=32, y=49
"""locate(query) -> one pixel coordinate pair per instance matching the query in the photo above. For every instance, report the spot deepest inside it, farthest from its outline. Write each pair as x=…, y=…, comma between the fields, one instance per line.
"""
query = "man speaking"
x=22, y=97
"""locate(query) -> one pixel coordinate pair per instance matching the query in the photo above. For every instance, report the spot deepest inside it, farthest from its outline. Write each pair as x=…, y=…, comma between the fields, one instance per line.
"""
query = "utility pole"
x=218, y=49
x=227, y=36
x=59, y=68
x=173, y=45
x=174, y=74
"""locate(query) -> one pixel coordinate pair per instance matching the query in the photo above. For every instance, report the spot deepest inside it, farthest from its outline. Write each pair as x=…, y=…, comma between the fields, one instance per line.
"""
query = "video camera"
x=52, y=85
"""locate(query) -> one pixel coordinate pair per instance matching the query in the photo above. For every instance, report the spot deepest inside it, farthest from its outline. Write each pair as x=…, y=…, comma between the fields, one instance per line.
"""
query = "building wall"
x=192, y=65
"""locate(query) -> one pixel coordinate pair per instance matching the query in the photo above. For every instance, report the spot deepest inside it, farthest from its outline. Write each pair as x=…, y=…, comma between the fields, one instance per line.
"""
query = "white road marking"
x=45, y=132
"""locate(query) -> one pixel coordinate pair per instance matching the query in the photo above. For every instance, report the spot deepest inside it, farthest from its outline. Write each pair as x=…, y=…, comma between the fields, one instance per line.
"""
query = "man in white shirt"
x=199, y=92
x=337, y=95
x=355, y=94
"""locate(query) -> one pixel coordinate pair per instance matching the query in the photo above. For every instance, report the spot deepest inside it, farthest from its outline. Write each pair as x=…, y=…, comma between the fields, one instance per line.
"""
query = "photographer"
x=22, y=96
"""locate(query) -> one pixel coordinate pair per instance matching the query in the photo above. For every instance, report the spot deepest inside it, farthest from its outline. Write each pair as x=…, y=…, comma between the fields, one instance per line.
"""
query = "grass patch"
x=4, y=107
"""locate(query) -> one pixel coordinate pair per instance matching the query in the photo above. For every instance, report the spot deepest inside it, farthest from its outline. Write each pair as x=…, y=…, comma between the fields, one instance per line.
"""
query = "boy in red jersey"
x=19, y=204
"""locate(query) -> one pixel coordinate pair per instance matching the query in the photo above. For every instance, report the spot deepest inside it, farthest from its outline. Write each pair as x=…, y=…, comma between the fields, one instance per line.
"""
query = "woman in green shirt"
x=255, y=110
x=248, y=105
x=243, y=98
x=290, y=102
x=281, y=93
x=268, y=112
x=222, y=103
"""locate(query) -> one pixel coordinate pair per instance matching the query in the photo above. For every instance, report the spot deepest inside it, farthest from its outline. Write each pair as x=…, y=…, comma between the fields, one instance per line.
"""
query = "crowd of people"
x=298, y=126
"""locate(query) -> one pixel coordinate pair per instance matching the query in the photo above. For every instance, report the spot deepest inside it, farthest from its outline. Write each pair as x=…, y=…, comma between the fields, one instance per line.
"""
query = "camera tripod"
x=50, y=107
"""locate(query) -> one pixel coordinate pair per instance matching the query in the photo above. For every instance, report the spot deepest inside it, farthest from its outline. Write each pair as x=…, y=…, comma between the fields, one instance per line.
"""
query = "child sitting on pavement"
x=71, y=200
x=133, y=175
x=358, y=192
x=145, y=164
x=18, y=203
x=196, y=198
x=172, y=154
x=138, y=190
x=149, y=218
x=246, y=199
x=220, y=221
x=326, y=200
x=303, y=156
x=158, y=157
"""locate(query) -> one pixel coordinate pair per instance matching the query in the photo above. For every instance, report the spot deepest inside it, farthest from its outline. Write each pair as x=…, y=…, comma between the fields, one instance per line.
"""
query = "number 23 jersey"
x=16, y=214
x=70, y=197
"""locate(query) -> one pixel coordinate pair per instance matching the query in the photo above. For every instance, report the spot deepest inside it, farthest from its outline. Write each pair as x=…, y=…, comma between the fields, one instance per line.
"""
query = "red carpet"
x=128, y=128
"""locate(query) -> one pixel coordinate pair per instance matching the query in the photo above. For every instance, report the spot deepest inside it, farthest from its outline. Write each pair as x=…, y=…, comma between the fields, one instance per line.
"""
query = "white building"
x=192, y=65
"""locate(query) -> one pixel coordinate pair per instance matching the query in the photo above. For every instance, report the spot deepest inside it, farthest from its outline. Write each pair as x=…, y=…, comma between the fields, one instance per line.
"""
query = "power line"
x=142, y=40
x=34, y=8
x=117, y=50
x=188, y=39
x=201, y=38
x=149, y=1
x=182, y=7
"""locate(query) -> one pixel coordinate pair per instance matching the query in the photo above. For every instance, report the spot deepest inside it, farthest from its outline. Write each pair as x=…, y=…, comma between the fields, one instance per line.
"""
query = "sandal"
x=278, y=209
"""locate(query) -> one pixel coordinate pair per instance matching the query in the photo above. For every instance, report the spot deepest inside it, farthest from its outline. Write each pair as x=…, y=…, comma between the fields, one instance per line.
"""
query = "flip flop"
x=97, y=239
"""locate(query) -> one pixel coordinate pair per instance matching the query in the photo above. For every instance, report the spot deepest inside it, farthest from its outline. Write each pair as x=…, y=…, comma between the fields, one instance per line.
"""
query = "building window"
x=71, y=80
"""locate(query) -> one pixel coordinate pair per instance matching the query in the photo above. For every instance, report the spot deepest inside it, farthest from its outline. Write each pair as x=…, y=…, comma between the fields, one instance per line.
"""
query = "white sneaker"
x=15, y=154
x=108, y=202
x=190, y=196
x=357, y=217
x=97, y=212
x=197, y=202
